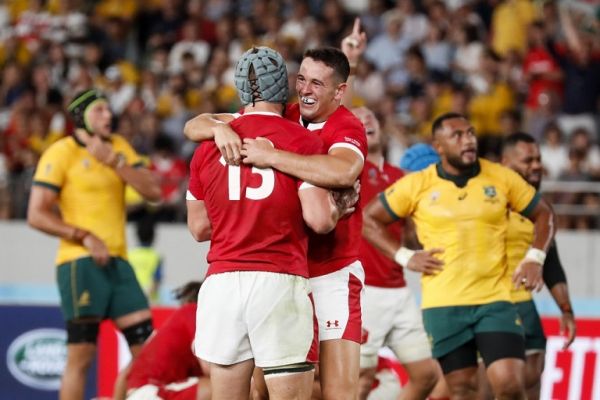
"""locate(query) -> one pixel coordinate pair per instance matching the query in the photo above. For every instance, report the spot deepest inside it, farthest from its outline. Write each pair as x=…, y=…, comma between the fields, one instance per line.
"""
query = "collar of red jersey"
x=312, y=126
x=272, y=114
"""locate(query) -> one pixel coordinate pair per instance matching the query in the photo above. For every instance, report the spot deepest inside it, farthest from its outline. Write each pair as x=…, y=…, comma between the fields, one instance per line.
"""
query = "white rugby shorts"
x=254, y=314
x=338, y=303
x=391, y=318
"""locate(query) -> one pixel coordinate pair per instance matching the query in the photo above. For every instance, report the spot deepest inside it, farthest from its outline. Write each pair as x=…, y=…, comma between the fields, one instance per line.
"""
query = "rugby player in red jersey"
x=255, y=307
x=166, y=368
x=335, y=271
x=390, y=315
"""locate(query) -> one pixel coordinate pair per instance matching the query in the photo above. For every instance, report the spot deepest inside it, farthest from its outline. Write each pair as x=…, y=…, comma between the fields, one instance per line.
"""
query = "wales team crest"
x=489, y=191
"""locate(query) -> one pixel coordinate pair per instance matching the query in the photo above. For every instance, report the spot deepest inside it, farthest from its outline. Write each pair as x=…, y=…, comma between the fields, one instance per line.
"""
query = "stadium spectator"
x=554, y=152
x=84, y=177
x=146, y=261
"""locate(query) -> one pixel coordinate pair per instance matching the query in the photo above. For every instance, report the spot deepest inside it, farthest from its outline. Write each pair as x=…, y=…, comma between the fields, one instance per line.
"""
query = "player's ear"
x=437, y=145
x=340, y=90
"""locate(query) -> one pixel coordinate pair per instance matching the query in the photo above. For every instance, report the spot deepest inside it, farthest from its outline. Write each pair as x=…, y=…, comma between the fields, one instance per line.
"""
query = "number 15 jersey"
x=255, y=214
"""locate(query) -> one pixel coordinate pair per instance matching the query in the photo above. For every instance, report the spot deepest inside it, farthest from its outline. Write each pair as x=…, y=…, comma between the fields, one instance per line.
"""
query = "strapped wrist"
x=536, y=255
x=403, y=256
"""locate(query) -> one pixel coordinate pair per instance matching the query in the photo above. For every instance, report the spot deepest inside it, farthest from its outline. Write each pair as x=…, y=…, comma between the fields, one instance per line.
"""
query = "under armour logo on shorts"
x=333, y=324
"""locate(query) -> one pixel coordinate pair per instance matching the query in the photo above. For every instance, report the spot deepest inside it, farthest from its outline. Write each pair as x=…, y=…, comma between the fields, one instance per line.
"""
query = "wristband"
x=536, y=255
x=403, y=256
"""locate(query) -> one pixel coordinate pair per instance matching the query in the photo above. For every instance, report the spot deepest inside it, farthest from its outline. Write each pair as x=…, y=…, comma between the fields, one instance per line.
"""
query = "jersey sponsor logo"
x=335, y=324
x=48, y=169
x=37, y=358
x=462, y=196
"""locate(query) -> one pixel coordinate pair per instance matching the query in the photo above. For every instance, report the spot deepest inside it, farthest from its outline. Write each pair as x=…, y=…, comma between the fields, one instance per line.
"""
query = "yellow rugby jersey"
x=469, y=223
x=518, y=241
x=90, y=194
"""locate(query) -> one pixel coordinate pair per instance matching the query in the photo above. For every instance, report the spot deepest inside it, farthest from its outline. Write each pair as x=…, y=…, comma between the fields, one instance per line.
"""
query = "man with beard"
x=459, y=207
x=521, y=153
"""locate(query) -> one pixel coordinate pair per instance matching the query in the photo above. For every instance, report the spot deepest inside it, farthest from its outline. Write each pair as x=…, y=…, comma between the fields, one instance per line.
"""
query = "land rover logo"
x=37, y=358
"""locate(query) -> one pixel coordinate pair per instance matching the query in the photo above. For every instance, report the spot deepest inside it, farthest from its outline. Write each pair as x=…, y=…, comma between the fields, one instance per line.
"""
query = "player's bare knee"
x=426, y=379
x=510, y=391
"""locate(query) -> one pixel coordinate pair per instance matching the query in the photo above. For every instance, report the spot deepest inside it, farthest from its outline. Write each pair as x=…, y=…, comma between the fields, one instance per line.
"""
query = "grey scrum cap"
x=261, y=75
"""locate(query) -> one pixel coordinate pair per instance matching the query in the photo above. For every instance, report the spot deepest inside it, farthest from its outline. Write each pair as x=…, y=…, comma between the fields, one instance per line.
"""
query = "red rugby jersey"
x=380, y=271
x=255, y=214
x=339, y=248
x=167, y=355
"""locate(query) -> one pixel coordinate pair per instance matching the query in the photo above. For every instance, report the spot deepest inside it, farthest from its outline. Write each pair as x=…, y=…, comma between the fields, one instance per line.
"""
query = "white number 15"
x=234, y=185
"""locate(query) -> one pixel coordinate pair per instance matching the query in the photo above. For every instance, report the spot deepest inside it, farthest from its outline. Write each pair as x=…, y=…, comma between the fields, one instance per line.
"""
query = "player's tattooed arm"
x=215, y=127
x=346, y=199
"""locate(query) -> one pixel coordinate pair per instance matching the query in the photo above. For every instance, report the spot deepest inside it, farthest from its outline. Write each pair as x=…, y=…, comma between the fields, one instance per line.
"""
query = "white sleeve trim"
x=190, y=196
x=305, y=185
x=348, y=146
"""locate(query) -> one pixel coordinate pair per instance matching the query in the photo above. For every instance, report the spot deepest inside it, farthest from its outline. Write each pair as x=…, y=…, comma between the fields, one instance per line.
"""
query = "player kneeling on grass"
x=166, y=367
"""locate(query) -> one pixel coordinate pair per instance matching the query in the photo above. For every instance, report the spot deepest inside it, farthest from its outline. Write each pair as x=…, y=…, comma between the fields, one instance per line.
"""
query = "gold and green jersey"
x=90, y=194
x=518, y=241
x=469, y=220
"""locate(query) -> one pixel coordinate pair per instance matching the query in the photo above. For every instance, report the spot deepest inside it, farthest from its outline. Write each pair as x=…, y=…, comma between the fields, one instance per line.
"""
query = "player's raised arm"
x=353, y=46
x=215, y=127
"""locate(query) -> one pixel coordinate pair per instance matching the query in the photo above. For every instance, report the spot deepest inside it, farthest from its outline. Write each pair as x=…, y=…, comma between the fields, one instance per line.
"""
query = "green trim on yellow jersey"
x=459, y=180
x=531, y=206
x=387, y=206
x=47, y=186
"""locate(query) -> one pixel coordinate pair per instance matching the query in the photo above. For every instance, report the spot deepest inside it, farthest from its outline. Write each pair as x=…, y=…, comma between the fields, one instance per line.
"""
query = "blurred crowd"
x=509, y=65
